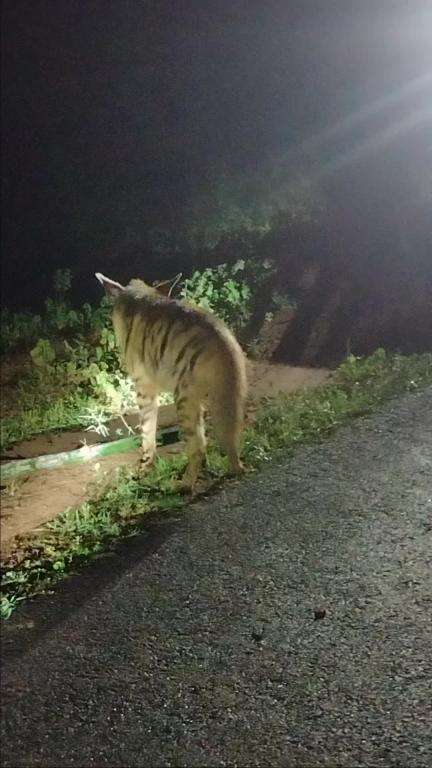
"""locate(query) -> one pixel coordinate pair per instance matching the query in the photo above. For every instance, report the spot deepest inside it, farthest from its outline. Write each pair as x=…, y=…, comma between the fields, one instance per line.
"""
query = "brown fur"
x=168, y=345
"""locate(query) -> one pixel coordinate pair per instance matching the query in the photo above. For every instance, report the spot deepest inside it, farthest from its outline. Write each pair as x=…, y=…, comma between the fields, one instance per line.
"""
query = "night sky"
x=115, y=112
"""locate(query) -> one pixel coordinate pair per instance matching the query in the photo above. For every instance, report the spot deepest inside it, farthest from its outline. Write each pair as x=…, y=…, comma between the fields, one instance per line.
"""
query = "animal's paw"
x=237, y=469
x=187, y=484
x=182, y=486
x=145, y=464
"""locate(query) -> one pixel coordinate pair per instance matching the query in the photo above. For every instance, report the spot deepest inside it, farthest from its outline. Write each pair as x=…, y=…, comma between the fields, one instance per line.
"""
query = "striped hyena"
x=169, y=345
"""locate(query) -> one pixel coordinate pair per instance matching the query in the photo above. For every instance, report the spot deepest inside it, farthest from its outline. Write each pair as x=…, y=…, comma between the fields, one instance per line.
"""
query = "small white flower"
x=238, y=266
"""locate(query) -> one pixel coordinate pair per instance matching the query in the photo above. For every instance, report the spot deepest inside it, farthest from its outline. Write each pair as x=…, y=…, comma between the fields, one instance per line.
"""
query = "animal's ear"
x=167, y=286
x=112, y=288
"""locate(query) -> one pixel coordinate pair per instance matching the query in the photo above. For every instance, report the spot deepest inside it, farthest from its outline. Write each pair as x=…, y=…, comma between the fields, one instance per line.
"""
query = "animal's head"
x=138, y=287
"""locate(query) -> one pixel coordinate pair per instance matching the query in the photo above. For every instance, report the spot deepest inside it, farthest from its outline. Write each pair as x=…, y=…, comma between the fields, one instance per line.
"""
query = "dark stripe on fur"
x=190, y=343
x=182, y=373
x=164, y=341
x=195, y=357
x=131, y=322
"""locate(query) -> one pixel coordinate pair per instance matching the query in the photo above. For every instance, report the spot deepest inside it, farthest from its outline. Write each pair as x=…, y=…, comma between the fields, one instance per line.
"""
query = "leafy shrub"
x=18, y=329
x=58, y=320
x=230, y=291
x=43, y=354
x=62, y=283
x=224, y=209
x=222, y=291
x=74, y=356
x=89, y=369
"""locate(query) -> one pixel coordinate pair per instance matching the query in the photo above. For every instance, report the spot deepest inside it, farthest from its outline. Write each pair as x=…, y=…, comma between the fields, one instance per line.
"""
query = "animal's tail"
x=227, y=404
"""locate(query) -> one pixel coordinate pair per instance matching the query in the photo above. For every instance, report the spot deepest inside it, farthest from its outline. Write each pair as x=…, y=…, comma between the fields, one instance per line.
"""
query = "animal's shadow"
x=41, y=614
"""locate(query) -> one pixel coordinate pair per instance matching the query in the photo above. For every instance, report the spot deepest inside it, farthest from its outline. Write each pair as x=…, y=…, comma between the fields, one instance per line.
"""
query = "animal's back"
x=179, y=348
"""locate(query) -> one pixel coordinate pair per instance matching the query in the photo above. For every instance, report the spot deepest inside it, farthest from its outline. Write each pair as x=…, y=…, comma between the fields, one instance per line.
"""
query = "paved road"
x=199, y=644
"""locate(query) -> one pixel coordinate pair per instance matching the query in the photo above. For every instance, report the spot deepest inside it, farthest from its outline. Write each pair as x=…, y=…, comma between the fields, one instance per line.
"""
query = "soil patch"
x=32, y=501
x=270, y=379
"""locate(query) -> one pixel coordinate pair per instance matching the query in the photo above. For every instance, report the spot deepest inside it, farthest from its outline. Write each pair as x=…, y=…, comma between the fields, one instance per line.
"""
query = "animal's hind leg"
x=148, y=405
x=228, y=428
x=230, y=444
x=191, y=418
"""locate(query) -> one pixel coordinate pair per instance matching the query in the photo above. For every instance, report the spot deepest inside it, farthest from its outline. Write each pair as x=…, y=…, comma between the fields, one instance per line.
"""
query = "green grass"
x=120, y=509
x=63, y=396
x=57, y=412
x=358, y=387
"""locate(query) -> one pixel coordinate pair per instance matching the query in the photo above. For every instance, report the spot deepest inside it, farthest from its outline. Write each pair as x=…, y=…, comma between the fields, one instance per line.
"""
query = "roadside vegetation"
x=119, y=509
x=69, y=372
x=70, y=376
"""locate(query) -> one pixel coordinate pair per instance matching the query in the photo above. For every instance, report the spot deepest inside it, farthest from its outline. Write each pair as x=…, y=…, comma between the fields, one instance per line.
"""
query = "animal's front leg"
x=148, y=405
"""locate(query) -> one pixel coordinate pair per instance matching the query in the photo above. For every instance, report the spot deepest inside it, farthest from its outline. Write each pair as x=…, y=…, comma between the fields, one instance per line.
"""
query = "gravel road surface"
x=284, y=622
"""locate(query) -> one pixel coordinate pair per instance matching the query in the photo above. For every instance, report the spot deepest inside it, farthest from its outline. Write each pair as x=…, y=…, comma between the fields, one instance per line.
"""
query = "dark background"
x=115, y=114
